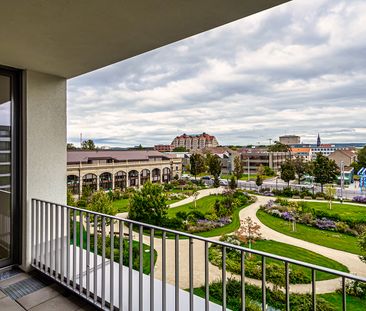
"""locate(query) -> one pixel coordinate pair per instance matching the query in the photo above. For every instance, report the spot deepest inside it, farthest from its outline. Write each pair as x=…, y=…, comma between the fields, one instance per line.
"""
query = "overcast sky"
x=299, y=68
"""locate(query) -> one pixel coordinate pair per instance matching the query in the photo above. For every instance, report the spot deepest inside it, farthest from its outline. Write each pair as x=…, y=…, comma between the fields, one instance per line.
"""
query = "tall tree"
x=197, y=163
x=238, y=167
x=88, y=145
x=279, y=147
x=361, y=159
x=288, y=171
x=149, y=204
x=300, y=168
x=214, y=165
x=325, y=170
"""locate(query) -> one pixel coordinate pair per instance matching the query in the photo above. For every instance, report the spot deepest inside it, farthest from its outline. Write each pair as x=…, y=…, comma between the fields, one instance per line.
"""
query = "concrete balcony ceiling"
x=67, y=38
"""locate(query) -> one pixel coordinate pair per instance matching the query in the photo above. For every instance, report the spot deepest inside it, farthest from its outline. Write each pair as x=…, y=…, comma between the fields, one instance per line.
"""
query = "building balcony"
x=160, y=268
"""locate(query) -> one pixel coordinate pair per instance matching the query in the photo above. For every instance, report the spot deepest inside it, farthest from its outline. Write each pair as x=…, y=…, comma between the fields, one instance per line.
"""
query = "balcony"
x=160, y=269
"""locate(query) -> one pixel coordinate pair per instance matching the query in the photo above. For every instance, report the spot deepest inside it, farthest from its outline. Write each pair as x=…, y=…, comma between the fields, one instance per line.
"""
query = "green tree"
x=279, y=147
x=325, y=170
x=259, y=180
x=180, y=149
x=268, y=171
x=233, y=183
x=197, y=163
x=101, y=202
x=149, y=204
x=88, y=145
x=361, y=160
x=70, y=199
x=287, y=171
x=70, y=146
x=330, y=191
x=260, y=176
x=300, y=168
x=238, y=167
x=214, y=165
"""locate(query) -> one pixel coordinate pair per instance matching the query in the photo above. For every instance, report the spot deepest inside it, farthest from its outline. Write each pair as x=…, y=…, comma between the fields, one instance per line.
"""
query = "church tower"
x=318, y=142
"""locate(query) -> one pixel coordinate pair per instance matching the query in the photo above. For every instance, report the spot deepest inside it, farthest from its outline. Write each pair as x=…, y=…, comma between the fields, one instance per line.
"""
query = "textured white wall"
x=45, y=100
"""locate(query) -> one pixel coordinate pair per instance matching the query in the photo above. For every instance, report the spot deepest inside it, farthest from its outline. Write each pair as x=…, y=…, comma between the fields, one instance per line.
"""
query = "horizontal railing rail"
x=62, y=247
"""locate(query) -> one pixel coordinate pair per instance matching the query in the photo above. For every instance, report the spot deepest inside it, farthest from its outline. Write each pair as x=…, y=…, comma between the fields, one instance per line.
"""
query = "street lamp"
x=248, y=168
x=342, y=180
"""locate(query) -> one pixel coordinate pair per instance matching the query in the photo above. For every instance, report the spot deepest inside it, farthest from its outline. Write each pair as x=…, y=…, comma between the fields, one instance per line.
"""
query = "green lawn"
x=353, y=303
x=322, y=237
x=205, y=205
x=135, y=249
x=345, y=211
x=121, y=205
x=300, y=254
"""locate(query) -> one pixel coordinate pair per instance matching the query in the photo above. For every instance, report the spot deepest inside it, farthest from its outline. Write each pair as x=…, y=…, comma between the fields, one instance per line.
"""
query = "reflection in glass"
x=5, y=168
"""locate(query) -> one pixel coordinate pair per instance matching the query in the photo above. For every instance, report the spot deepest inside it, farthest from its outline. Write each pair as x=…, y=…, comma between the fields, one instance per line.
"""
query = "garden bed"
x=325, y=238
x=275, y=270
x=206, y=218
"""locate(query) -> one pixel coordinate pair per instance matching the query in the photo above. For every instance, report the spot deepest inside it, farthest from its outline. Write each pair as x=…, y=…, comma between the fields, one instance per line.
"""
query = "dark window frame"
x=17, y=164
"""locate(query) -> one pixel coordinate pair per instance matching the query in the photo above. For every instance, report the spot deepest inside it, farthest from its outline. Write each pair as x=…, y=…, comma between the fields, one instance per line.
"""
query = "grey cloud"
x=298, y=68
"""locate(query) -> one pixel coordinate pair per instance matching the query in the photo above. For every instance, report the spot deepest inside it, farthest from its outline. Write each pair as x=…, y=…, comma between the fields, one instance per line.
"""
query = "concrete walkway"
x=351, y=261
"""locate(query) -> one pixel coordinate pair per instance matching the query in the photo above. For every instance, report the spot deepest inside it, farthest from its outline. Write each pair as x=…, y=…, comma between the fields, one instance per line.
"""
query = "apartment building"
x=347, y=156
x=253, y=158
x=195, y=142
x=304, y=153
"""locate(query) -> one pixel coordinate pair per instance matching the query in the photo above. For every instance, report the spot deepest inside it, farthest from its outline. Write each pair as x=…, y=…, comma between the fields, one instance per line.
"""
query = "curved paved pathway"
x=351, y=261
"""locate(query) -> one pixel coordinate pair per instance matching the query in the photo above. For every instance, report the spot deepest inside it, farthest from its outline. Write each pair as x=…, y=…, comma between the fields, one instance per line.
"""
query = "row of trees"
x=323, y=169
x=85, y=145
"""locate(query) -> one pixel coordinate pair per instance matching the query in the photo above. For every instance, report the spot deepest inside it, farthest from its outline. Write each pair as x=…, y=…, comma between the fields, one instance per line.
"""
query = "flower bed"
x=300, y=212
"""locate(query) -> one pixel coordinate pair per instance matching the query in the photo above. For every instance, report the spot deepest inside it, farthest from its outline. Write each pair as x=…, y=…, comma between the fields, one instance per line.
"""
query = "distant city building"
x=324, y=149
x=290, y=139
x=195, y=142
x=304, y=153
x=318, y=141
x=111, y=169
x=347, y=156
x=253, y=158
x=164, y=148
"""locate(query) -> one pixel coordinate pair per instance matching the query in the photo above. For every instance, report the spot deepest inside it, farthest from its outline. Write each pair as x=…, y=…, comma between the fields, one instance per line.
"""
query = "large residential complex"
x=195, y=142
x=119, y=169
x=253, y=158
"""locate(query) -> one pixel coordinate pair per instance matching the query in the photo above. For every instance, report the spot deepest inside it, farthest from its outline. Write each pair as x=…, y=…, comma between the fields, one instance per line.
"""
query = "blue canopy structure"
x=362, y=174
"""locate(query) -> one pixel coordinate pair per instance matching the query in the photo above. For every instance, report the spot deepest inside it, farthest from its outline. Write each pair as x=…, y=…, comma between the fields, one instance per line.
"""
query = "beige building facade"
x=108, y=170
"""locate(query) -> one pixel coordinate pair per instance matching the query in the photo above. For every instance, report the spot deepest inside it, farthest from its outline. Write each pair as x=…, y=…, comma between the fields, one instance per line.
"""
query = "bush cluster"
x=275, y=272
x=275, y=298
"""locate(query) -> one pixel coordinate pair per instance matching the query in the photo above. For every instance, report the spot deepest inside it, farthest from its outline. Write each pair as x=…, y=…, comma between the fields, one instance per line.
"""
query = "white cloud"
x=297, y=68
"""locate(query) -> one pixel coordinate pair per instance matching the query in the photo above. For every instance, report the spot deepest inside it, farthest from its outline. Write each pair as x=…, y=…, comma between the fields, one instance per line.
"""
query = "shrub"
x=359, y=199
x=275, y=298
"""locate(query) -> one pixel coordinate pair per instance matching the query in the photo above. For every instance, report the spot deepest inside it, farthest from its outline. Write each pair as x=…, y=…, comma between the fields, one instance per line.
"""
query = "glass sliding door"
x=9, y=203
